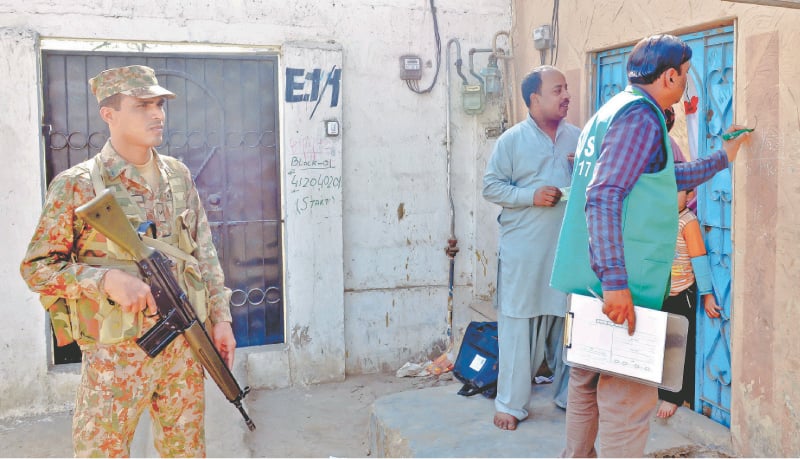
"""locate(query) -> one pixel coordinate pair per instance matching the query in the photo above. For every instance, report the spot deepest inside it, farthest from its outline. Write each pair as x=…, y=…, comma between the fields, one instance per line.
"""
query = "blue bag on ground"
x=476, y=364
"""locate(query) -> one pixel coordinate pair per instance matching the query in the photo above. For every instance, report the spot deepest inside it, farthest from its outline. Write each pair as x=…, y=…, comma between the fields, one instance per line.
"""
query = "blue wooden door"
x=712, y=78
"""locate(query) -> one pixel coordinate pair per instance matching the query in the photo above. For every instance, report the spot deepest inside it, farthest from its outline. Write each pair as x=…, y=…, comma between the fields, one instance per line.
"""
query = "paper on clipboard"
x=598, y=343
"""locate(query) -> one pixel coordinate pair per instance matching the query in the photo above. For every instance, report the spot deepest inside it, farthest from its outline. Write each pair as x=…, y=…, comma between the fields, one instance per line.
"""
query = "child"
x=690, y=271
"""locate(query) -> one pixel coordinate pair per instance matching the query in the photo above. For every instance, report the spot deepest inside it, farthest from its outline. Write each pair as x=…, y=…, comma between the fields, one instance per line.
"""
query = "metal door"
x=714, y=199
x=712, y=79
x=224, y=126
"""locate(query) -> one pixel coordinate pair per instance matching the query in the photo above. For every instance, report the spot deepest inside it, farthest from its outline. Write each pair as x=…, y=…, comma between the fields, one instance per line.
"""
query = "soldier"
x=93, y=291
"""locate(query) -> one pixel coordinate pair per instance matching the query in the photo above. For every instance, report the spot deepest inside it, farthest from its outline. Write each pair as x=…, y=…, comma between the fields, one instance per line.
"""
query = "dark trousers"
x=685, y=304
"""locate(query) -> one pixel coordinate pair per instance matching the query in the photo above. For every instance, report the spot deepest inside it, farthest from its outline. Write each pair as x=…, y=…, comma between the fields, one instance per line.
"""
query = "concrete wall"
x=24, y=377
x=366, y=274
x=766, y=369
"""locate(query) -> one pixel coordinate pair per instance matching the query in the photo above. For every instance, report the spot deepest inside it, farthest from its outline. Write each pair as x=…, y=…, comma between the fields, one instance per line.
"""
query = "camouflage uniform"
x=65, y=263
x=119, y=381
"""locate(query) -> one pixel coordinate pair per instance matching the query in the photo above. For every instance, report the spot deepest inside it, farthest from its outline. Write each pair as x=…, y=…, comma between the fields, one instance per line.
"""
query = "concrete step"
x=437, y=422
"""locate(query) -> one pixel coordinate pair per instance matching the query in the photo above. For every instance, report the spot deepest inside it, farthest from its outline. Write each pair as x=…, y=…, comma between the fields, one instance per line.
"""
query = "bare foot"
x=505, y=421
x=665, y=410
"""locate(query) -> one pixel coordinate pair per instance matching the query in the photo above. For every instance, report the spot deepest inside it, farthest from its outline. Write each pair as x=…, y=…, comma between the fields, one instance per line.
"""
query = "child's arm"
x=701, y=267
x=713, y=310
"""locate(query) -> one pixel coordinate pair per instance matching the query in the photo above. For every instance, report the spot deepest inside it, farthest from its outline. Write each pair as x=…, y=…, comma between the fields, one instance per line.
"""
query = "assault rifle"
x=176, y=315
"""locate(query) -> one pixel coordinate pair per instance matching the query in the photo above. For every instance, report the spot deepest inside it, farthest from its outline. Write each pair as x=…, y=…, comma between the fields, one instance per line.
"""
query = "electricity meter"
x=410, y=67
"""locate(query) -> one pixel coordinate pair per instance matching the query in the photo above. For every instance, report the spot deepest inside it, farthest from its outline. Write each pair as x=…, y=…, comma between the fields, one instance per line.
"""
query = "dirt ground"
x=690, y=451
x=292, y=422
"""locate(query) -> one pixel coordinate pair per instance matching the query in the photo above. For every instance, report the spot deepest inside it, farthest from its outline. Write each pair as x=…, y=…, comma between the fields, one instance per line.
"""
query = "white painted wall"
x=366, y=282
x=313, y=213
x=25, y=382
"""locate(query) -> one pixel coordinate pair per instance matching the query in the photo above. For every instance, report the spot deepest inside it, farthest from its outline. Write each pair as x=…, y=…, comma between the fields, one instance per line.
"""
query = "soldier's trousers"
x=119, y=381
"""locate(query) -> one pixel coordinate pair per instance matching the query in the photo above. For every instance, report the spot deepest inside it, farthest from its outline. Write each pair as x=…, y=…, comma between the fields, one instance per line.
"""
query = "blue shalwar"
x=530, y=312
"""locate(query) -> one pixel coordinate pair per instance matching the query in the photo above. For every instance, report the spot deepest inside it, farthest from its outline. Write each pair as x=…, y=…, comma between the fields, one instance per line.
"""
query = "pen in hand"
x=736, y=133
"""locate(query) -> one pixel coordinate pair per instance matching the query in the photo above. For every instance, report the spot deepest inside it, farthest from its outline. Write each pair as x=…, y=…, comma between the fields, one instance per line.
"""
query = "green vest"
x=649, y=217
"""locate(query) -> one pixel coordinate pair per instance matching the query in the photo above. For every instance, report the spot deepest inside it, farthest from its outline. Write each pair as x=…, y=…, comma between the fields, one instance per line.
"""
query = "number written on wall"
x=311, y=86
x=315, y=177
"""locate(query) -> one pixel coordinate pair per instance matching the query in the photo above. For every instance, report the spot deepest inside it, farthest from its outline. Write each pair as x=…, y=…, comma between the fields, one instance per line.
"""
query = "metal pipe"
x=448, y=139
x=499, y=53
x=506, y=57
x=472, y=52
x=452, y=243
x=458, y=63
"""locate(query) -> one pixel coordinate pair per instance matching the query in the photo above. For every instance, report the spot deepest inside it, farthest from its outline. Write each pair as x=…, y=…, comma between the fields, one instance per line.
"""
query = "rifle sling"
x=130, y=265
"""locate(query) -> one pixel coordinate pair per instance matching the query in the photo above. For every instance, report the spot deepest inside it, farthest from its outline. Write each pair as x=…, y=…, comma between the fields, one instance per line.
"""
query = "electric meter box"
x=410, y=67
x=542, y=38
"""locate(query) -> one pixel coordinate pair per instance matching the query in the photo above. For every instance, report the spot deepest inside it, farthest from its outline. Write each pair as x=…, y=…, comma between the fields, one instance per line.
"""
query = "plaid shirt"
x=633, y=145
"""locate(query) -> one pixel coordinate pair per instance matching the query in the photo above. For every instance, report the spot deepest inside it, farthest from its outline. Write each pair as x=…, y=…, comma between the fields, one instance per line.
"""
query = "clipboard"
x=674, y=348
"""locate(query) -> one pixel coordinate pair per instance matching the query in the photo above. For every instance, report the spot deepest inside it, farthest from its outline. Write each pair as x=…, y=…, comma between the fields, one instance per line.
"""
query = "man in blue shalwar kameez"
x=526, y=175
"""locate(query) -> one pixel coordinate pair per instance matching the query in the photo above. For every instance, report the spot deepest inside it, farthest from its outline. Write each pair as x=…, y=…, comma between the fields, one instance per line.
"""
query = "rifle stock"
x=106, y=216
x=177, y=315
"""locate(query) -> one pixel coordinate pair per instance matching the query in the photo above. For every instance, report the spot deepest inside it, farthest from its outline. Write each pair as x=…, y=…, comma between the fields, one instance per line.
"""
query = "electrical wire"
x=413, y=84
x=554, y=34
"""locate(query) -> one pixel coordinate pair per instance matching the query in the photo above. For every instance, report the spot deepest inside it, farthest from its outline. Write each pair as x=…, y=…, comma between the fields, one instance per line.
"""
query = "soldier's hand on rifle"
x=128, y=291
x=222, y=334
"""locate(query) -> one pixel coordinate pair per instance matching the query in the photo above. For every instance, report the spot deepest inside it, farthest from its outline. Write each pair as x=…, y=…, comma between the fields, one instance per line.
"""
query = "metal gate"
x=224, y=126
x=712, y=79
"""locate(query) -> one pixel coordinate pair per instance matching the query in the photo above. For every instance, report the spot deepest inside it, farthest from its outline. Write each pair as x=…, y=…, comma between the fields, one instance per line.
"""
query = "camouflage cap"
x=135, y=80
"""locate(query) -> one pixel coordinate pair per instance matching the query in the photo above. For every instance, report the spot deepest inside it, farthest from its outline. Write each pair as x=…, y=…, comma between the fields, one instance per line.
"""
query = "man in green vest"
x=95, y=295
x=619, y=232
